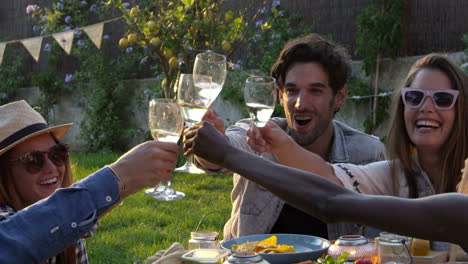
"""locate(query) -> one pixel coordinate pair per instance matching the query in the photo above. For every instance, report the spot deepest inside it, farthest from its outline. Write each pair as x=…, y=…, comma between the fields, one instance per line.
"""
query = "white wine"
x=164, y=135
x=208, y=91
x=260, y=113
x=193, y=114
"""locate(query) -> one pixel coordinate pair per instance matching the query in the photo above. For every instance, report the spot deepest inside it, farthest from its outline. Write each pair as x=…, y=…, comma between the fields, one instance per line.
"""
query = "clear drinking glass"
x=196, y=92
x=260, y=96
x=166, y=124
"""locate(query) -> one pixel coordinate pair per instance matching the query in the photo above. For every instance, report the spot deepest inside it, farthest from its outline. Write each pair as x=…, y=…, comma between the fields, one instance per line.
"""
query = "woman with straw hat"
x=35, y=165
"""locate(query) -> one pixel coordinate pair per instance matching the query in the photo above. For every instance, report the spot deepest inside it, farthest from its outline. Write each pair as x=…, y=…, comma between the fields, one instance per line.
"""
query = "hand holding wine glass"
x=260, y=96
x=166, y=124
x=196, y=92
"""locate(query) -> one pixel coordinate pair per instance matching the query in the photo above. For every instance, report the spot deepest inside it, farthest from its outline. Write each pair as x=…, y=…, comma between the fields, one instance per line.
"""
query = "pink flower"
x=31, y=9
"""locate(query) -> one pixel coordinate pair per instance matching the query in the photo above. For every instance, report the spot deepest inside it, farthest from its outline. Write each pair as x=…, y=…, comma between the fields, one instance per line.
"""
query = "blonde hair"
x=399, y=146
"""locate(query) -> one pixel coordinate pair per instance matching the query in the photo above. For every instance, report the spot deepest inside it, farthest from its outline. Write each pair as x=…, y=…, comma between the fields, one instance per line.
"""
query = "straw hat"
x=19, y=122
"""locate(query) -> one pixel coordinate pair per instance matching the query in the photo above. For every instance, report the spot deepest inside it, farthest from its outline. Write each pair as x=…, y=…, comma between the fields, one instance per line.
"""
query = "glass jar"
x=393, y=249
x=357, y=246
x=203, y=239
x=246, y=258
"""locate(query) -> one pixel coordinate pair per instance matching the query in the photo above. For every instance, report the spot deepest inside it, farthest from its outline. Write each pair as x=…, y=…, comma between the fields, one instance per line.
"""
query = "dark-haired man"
x=311, y=74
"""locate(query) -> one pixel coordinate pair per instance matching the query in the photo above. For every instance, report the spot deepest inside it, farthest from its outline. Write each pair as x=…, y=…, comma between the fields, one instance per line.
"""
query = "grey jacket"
x=255, y=210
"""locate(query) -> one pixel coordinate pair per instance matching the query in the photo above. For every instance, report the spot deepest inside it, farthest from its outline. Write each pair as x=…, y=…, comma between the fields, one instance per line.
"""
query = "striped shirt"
x=80, y=250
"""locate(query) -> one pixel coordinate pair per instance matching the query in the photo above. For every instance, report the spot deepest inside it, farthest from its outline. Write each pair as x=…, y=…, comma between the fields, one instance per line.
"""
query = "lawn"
x=142, y=225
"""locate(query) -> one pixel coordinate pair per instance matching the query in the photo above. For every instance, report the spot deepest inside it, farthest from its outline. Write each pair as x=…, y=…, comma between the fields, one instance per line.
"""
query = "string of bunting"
x=370, y=96
x=64, y=39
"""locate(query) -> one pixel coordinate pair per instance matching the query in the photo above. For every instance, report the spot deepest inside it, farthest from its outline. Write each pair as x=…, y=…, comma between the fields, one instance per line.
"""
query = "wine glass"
x=260, y=97
x=197, y=91
x=166, y=124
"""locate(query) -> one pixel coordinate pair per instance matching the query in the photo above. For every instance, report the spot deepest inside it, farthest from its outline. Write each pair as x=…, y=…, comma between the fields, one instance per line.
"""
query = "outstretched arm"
x=271, y=138
x=440, y=217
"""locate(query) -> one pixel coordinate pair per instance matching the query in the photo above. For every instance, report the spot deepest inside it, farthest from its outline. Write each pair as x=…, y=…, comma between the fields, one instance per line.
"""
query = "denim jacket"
x=47, y=227
x=255, y=210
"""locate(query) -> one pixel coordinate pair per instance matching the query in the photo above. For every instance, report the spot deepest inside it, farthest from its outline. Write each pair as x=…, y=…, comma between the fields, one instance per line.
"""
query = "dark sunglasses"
x=34, y=161
x=443, y=99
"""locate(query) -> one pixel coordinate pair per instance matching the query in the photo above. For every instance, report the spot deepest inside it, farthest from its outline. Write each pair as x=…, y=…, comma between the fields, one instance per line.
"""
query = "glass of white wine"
x=166, y=123
x=260, y=96
x=196, y=92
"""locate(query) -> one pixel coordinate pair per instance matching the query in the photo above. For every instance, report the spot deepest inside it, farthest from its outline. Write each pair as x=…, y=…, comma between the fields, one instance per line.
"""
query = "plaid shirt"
x=81, y=255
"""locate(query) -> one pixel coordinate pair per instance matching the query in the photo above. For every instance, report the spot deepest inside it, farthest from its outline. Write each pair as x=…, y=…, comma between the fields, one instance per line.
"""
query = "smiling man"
x=311, y=74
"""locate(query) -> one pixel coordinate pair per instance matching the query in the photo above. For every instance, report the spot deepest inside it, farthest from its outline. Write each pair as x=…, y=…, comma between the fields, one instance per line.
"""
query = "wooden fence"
x=429, y=25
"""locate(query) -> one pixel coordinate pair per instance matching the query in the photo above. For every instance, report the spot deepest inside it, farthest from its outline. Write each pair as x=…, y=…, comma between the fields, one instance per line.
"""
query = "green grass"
x=142, y=225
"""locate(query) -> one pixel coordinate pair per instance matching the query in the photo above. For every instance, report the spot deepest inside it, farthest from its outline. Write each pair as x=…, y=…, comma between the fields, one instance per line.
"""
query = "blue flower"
x=129, y=49
x=144, y=60
x=47, y=47
x=276, y=3
x=106, y=36
x=80, y=42
x=59, y=6
x=127, y=5
x=84, y=2
x=78, y=32
x=68, y=19
x=147, y=92
x=93, y=8
x=66, y=28
x=263, y=10
x=35, y=28
x=238, y=66
x=281, y=13
x=258, y=23
x=68, y=77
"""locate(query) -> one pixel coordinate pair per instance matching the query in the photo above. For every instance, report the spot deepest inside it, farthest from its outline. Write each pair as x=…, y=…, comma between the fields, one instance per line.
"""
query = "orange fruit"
x=173, y=63
x=155, y=41
x=123, y=43
x=132, y=38
x=151, y=25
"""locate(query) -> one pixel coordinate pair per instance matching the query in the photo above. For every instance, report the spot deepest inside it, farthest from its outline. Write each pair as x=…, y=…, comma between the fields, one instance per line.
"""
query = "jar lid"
x=204, y=235
x=351, y=240
x=393, y=238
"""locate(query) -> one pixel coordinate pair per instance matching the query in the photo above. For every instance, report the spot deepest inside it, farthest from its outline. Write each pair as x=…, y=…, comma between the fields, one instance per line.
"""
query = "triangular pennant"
x=65, y=40
x=2, y=49
x=33, y=45
x=95, y=33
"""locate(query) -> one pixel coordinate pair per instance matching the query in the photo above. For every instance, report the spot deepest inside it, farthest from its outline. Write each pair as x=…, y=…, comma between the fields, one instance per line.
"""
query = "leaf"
x=188, y=3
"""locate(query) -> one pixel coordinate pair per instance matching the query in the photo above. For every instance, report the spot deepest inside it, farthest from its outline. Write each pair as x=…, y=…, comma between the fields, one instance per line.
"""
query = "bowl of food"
x=205, y=256
x=280, y=248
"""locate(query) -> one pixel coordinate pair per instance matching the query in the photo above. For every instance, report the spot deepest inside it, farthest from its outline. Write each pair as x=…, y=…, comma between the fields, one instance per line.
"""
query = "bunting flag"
x=94, y=32
x=65, y=40
x=2, y=50
x=33, y=45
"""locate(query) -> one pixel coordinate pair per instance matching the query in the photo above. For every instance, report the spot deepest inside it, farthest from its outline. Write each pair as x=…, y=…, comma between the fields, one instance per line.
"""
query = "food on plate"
x=268, y=245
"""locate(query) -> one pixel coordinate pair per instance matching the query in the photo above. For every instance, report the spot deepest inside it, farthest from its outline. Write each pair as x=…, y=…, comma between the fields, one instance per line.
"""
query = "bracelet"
x=117, y=177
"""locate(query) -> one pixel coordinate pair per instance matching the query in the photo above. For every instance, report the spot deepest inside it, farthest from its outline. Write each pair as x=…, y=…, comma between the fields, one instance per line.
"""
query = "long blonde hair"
x=399, y=146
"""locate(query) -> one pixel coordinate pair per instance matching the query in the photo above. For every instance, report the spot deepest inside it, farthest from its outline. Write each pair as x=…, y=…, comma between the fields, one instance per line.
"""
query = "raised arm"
x=47, y=227
x=271, y=138
x=440, y=217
